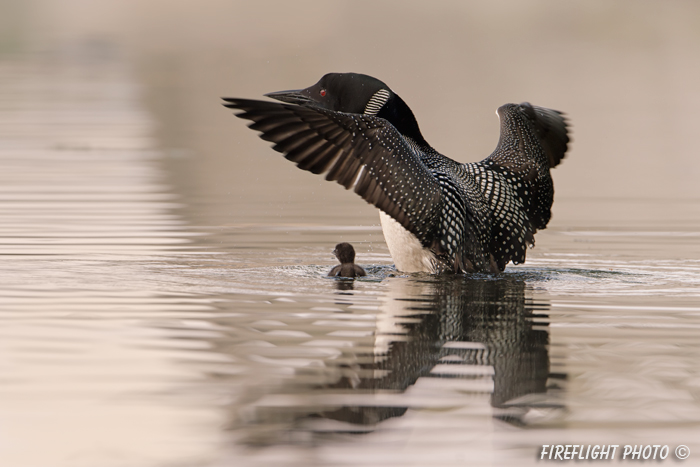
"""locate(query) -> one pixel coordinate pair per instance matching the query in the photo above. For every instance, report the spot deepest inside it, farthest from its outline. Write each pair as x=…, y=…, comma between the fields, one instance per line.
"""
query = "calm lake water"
x=163, y=289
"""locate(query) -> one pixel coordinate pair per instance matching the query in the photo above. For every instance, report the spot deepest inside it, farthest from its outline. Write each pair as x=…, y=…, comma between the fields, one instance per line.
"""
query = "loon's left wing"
x=358, y=151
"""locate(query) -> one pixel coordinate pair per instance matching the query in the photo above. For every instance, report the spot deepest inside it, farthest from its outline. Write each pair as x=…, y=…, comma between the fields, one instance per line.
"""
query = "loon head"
x=344, y=252
x=358, y=94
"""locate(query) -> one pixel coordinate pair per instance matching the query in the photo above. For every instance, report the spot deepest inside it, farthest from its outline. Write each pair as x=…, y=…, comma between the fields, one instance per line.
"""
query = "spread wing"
x=516, y=180
x=361, y=152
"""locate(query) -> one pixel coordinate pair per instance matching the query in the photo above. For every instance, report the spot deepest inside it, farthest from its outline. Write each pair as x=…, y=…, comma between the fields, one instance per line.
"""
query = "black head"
x=344, y=252
x=358, y=94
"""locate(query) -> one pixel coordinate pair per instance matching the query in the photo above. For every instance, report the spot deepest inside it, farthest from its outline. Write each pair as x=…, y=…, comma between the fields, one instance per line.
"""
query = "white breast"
x=406, y=251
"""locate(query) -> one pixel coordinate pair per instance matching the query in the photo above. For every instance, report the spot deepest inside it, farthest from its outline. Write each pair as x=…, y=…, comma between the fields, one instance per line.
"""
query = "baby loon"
x=437, y=214
x=347, y=267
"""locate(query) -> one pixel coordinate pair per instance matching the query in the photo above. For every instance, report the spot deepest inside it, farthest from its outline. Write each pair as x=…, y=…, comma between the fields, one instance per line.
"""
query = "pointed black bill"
x=300, y=96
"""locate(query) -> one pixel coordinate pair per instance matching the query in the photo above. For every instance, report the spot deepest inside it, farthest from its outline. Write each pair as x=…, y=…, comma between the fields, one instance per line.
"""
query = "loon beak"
x=300, y=96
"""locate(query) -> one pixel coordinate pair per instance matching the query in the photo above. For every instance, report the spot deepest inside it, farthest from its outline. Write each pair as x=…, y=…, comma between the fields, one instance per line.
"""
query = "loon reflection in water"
x=442, y=328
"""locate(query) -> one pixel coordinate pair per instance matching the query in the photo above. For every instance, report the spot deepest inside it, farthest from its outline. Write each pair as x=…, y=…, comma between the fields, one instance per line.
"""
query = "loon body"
x=437, y=214
x=347, y=267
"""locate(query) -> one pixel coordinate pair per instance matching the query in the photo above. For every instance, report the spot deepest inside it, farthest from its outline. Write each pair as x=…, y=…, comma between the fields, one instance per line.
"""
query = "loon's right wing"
x=515, y=178
x=358, y=151
x=533, y=140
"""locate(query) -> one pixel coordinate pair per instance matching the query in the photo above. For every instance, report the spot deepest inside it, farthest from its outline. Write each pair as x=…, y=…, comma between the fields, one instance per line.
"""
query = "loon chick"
x=437, y=214
x=347, y=267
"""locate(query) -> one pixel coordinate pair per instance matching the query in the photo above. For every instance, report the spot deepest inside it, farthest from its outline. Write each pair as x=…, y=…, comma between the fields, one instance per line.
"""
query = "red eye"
x=322, y=92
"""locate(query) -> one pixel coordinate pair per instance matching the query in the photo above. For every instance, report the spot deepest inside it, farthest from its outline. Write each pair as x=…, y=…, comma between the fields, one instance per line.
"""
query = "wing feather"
x=357, y=151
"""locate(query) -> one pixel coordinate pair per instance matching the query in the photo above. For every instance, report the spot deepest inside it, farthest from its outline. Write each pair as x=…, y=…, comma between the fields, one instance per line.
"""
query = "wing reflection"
x=445, y=343
x=455, y=327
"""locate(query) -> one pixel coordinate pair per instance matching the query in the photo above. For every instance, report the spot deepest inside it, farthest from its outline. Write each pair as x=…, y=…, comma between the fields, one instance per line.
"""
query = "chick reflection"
x=344, y=284
x=454, y=323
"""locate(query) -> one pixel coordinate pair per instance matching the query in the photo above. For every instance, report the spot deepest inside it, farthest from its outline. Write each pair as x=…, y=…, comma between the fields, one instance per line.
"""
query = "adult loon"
x=437, y=214
x=347, y=267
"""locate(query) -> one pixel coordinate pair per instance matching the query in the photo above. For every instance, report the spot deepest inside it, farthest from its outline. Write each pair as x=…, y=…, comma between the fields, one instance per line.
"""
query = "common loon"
x=437, y=214
x=347, y=267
